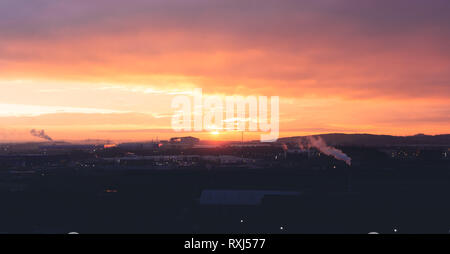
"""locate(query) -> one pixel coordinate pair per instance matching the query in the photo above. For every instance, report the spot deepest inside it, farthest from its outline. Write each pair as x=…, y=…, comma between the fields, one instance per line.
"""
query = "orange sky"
x=109, y=69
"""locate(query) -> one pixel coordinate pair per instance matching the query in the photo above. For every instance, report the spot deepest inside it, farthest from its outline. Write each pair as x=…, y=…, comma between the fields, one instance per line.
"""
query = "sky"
x=109, y=69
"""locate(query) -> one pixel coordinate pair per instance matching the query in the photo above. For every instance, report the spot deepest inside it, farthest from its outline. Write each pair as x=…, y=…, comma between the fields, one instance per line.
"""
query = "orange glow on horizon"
x=84, y=75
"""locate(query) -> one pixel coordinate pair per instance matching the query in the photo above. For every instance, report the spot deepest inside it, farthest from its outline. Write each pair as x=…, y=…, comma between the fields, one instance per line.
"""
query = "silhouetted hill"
x=378, y=140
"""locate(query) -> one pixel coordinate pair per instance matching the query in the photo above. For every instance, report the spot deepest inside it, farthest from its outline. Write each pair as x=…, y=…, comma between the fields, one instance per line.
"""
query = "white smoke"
x=40, y=134
x=319, y=144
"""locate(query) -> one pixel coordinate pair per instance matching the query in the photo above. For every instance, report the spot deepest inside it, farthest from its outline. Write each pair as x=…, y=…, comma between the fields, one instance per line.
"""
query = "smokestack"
x=40, y=134
x=320, y=145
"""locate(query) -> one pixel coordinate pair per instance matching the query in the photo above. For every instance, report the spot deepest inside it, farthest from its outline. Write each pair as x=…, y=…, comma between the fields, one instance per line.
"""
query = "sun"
x=215, y=132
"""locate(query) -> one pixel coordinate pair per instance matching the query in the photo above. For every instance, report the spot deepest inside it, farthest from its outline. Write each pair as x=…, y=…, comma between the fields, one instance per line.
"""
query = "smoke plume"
x=319, y=144
x=40, y=134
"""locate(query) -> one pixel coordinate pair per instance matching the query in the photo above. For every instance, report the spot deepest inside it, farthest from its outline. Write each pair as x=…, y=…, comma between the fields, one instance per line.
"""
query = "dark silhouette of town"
x=358, y=184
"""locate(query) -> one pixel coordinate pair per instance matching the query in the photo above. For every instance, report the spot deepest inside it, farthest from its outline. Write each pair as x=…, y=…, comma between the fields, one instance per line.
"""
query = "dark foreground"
x=378, y=194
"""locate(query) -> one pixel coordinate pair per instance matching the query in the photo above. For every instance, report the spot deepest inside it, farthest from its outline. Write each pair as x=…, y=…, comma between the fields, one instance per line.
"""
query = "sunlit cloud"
x=19, y=110
x=374, y=66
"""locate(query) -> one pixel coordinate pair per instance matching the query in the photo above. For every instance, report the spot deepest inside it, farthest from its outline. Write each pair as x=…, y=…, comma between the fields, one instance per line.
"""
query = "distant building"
x=239, y=197
x=183, y=142
x=138, y=145
x=70, y=147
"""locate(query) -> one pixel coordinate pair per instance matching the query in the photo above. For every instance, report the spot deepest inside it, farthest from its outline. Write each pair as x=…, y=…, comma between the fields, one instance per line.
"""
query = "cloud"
x=347, y=48
x=376, y=66
x=85, y=120
x=36, y=110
